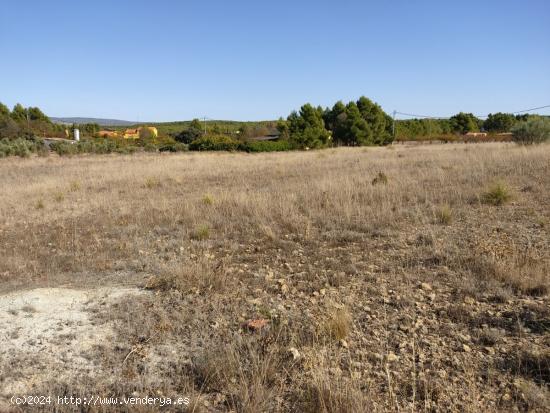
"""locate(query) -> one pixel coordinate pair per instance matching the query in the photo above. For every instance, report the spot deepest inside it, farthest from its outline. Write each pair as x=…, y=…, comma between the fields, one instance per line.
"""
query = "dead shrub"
x=531, y=364
x=199, y=276
x=247, y=377
x=489, y=337
x=522, y=274
x=339, y=324
x=531, y=395
x=324, y=394
x=380, y=178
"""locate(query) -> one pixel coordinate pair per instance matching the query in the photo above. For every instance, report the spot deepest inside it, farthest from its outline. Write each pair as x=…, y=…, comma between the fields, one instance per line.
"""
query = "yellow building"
x=141, y=132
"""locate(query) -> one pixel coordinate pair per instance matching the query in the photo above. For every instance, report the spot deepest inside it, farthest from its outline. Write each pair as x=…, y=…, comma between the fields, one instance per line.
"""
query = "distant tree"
x=355, y=130
x=196, y=124
x=359, y=123
x=499, y=122
x=88, y=129
x=4, y=110
x=534, y=130
x=8, y=128
x=19, y=113
x=216, y=129
x=373, y=114
x=245, y=131
x=307, y=129
x=464, y=123
x=333, y=117
x=193, y=132
x=283, y=128
x=36, y=114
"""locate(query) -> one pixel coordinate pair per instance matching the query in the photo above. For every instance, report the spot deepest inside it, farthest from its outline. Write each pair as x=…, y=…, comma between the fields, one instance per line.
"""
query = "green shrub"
x=22, y=147
x=97, y=146
x=267, y=146
x=64, y=148
x=215, y=143
x=534, y=130
x=174, y=147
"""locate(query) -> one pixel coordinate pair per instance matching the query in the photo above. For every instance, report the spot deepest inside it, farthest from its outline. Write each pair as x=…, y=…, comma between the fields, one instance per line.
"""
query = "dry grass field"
x=342, y=280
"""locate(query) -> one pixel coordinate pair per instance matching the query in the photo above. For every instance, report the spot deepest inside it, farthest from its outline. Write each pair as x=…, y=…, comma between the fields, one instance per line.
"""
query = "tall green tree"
x=464, y=123
x=193, y=132
x=307, y=128
x=373, y=114
x=4, y=110
x=499, y=122
x=19, y=113
x=36, y=114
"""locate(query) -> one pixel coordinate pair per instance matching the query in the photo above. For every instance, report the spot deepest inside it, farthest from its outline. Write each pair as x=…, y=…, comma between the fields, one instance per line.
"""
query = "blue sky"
x=250, y=60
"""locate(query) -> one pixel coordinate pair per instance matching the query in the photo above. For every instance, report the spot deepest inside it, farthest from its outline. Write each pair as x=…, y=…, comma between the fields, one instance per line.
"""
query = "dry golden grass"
x=288, y=237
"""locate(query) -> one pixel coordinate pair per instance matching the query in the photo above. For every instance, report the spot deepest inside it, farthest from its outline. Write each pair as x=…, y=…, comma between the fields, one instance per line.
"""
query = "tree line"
x=459, y=124
x=356, y=123
x=23, y=122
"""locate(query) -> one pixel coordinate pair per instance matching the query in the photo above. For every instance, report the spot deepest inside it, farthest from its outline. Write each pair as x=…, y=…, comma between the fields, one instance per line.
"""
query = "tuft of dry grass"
x=201, y=232
x=444, y=214
x=324, y=394
x=338, y=324
x=189, y=276
x=497, y=194
x=207, y=199
x=380, y=178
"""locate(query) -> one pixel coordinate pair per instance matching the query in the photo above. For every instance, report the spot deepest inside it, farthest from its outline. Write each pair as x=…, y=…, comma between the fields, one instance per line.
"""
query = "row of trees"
x=26, y=122
x=460, y=123
x=362, y=122
x=353, y=124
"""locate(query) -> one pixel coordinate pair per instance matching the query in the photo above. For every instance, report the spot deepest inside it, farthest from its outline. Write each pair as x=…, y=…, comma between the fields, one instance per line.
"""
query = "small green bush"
x=22, y=147
x=97, y=146
x=64, y=148
x=532, y=131
x=215, y=143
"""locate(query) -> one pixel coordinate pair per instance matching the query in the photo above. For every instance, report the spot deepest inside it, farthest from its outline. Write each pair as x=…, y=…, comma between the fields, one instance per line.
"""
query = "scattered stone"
x=469, y=300
x=295, y=353
x=391, y=357
x=426, y=287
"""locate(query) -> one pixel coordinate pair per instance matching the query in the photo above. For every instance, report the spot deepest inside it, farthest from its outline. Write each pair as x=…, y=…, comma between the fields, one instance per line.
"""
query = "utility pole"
x=393, y=124
x=204, y=120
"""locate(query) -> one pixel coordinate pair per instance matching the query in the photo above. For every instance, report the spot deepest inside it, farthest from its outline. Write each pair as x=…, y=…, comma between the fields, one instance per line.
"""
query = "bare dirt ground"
x=348, y=280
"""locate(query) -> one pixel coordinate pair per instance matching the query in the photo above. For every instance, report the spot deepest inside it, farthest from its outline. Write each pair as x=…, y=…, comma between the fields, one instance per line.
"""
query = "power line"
x=529, y=110
x=420, y=116
x=412, y=115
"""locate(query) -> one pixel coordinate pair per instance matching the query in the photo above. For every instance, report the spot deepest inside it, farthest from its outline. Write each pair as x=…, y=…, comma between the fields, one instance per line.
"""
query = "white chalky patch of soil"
x=48, y=331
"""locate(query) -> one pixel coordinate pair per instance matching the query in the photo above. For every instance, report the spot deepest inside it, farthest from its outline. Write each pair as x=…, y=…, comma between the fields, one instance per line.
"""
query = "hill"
x=99, y=121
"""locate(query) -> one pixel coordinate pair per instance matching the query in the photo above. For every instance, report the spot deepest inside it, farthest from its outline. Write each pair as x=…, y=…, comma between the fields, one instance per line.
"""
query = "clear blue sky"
x=249, y=60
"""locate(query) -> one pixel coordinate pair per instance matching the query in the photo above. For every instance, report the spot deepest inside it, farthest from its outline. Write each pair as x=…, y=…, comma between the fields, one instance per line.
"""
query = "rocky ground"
x=423, y=291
